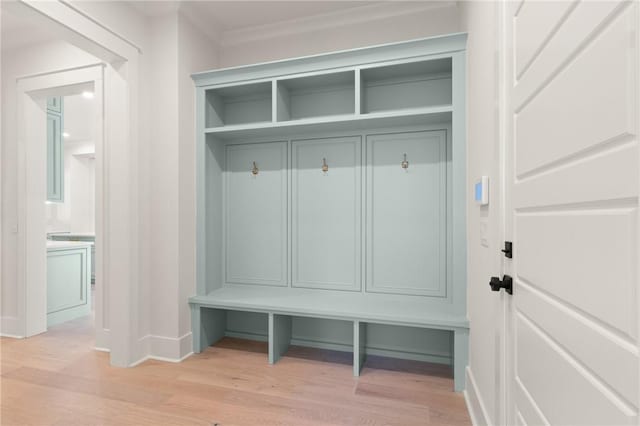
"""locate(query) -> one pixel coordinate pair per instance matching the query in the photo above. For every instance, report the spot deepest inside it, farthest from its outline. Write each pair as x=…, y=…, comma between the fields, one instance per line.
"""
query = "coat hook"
x=325, y=166
x=405, y=163
x=254, y=170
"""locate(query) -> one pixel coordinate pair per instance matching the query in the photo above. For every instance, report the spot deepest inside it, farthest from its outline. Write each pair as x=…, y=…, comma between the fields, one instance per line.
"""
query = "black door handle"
x=506, y=283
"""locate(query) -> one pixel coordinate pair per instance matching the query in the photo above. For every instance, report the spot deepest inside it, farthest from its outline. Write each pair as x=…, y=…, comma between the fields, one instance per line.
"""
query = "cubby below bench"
x=281, y=304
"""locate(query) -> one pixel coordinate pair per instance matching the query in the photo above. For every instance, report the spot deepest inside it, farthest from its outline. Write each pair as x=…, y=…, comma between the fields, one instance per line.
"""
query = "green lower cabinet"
x=68, y=277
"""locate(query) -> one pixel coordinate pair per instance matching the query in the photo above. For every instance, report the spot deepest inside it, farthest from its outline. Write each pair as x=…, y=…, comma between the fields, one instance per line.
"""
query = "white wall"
x=77, y=213
x=480, y=20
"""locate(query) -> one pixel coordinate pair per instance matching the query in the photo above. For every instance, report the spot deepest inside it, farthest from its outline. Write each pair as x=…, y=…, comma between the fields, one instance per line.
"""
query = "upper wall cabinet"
x=54, y=104
x=411, y=85
x=55, y=150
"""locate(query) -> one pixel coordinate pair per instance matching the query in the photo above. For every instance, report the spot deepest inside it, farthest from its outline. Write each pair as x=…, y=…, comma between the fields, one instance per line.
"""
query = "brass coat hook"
x=405, y=163
x=254, y=170
x=325, y=166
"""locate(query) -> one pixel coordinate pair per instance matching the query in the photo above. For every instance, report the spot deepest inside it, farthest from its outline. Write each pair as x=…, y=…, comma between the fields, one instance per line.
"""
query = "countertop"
x=73, y=234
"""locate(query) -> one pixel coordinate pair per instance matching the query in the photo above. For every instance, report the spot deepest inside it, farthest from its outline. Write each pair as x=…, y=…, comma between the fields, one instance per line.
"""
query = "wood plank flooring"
x=57, y=378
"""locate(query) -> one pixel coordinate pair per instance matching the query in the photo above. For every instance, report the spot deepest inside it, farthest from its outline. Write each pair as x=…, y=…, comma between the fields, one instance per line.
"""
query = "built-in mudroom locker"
x=331, y=203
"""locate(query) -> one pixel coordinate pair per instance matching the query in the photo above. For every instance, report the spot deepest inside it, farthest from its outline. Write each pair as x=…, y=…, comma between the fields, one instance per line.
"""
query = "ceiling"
x=233, y=15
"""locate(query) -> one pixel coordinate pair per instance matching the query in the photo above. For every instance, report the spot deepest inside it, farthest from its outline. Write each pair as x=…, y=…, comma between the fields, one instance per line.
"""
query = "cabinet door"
x=406, y=213
x=67, y=285
x=256, y=214
x=326, y=236
x=55, y=158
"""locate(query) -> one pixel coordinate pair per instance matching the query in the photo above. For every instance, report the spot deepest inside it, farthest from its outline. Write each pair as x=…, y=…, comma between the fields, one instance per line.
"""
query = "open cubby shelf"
x=241, y=104
x=406, y=86
x=316, y=96
x=331, y=203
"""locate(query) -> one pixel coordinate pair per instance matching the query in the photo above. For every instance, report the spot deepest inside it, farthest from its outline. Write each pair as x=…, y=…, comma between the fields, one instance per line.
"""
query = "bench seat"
x=282, y=303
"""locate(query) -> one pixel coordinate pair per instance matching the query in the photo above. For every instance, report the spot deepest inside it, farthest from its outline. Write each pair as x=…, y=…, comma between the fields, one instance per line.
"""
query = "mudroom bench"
x=280, y=305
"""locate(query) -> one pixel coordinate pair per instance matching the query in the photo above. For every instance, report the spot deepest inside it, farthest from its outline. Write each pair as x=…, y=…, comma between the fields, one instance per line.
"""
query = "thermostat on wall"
x=482, y=191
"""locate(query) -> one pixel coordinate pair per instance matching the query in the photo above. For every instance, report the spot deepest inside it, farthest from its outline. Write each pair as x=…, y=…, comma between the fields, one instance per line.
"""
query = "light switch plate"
x=484, y=233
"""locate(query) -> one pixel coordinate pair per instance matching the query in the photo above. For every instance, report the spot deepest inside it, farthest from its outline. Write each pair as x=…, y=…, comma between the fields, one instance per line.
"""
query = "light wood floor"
x=58, y=379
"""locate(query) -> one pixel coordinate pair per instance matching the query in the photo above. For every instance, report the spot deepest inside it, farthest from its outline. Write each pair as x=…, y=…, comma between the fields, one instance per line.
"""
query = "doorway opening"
x=70, y=208
x=62, y=127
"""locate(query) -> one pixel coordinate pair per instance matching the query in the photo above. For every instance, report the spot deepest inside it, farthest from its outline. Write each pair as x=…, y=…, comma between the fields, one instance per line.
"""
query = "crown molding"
x=351, y=16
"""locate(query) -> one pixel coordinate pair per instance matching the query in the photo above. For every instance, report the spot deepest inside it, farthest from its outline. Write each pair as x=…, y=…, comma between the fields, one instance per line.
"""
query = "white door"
x=571, y=105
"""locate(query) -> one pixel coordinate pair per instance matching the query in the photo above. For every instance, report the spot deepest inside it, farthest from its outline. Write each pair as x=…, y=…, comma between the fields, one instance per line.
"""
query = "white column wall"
x=195, y=53
x=484, y=307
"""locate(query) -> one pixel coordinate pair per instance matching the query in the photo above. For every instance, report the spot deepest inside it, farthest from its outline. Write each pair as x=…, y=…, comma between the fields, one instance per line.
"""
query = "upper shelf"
x=345, y=122
x=391, y=94
x=410, y=85
x=316, y=96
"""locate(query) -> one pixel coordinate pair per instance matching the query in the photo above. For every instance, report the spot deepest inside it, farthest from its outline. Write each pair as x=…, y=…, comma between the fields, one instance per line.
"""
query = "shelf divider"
x=279, y=336
x=359, y=343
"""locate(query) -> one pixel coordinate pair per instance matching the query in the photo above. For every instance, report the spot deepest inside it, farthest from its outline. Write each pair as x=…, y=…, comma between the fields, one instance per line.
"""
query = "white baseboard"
x=102, y=339
x=11, y=336
x=161, y=348
x=475, y=405
x=170, y=348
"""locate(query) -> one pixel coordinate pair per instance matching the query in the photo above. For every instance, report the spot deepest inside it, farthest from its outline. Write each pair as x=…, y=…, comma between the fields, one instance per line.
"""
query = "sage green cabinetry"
x=85, y=237
x=55, y=150
x=331, y=203
x=68, y=276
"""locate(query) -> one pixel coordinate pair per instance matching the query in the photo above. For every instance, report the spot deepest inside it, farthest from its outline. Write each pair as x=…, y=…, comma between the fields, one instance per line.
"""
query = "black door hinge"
x=508, y=249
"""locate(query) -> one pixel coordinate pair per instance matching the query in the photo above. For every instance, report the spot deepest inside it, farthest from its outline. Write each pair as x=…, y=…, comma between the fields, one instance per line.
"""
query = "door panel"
x=526, y=411
x=584, y=258
x=585, y=107
x=566, y=392
x=534, y=24
x=583, y=338
x=572, y=212
x=256, y=214
x=326, y=235
x=406, y=214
